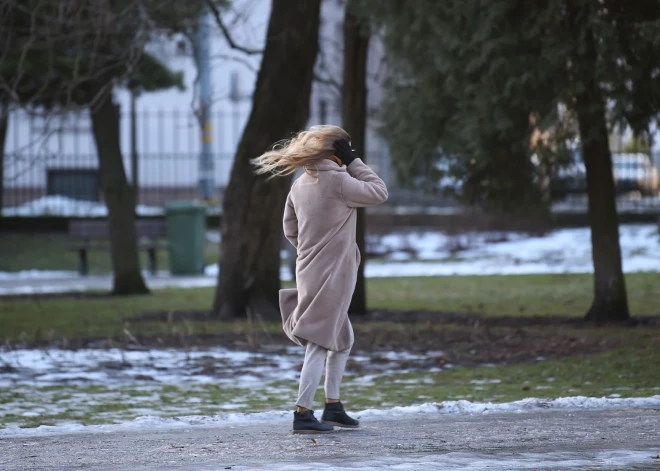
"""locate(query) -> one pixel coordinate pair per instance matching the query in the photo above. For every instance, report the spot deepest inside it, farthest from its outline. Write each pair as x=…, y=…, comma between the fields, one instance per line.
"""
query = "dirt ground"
x=465, y=339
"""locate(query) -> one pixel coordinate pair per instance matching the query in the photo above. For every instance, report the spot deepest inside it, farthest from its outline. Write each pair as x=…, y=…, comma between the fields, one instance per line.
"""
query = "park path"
x=545, y=440
x=62, y=284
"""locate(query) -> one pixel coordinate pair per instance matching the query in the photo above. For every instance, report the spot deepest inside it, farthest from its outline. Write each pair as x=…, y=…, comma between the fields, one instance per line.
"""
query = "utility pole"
x=207, y=187
x=134, y=155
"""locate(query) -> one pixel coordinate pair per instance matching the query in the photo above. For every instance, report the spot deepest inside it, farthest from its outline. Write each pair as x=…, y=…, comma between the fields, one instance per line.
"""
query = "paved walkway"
x=548, y=440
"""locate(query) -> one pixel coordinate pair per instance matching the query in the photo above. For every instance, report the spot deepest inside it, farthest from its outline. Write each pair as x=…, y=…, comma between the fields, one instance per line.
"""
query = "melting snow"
x=561, y=251
x=36, y=274
x=422, y=254
x=116, y=367
x=446, y=407
x=69, y=207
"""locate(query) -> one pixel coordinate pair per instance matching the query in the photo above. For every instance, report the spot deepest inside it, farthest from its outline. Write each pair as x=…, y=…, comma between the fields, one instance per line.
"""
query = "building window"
x=76, y=183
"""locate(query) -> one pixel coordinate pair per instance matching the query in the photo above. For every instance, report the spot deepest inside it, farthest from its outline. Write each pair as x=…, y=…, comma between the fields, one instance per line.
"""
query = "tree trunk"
x=119, y=197
x=354, y=117
x=4, y=123
x=251, y=224
x=610, y=300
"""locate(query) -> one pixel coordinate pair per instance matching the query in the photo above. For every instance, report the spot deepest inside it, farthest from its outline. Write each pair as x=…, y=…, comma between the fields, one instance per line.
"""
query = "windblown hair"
x=301, y=151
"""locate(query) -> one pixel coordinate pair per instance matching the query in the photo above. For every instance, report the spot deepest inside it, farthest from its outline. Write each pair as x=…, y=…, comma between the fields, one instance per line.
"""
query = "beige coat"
x=319, y=220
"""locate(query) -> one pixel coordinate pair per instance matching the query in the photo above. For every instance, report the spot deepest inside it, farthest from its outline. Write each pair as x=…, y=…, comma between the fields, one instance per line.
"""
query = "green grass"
x=626, y=372
x=508, y=294
x=630, y=370
x=490, y=295
x=97, y=317
x=51, y=252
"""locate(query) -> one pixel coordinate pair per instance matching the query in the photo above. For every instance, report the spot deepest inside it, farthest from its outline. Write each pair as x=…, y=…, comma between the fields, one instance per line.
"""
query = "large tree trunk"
x=354, y=117
x=119, y=197
x=4, y=123
x=610, y=300
x=252, y=207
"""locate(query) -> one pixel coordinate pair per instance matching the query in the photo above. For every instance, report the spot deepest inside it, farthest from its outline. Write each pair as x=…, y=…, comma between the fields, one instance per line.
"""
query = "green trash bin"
x=186, y=228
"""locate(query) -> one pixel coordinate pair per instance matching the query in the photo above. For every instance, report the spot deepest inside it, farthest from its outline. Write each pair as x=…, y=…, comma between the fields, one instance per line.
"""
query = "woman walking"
x=319, y=220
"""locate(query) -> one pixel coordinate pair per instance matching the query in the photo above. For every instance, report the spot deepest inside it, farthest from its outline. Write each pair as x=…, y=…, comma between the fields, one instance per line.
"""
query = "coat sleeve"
x=362, y=187
x=290, y=222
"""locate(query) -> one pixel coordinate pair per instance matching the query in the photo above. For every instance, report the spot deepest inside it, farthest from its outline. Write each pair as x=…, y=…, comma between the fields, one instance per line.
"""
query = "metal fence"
x=51, y=163
x=51, y=168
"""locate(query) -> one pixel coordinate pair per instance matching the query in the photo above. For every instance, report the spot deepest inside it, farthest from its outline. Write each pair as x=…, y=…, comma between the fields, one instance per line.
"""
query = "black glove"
x=344, y=152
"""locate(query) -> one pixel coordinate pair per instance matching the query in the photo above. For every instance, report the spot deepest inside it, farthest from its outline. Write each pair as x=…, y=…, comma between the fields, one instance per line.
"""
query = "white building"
x=58, y=155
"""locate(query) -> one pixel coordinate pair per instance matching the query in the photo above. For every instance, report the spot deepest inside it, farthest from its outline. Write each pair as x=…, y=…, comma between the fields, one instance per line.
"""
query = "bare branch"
x=328, y=81
x=227, y=34
x=322, y=72
x=240, y=60
x=37, y=147
x=89, y=39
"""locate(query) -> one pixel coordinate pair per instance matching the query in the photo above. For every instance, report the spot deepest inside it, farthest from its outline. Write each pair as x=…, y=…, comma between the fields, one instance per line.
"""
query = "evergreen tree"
x=466, y=76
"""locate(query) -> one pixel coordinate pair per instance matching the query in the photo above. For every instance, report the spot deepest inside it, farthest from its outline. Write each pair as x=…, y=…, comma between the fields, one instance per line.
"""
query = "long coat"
x=319, y=220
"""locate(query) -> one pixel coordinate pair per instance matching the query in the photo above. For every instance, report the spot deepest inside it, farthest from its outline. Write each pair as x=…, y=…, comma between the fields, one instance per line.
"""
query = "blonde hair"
x=301, y=151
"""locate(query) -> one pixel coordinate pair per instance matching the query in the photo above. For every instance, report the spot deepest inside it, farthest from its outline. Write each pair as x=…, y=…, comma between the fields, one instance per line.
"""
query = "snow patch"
x=411, y=255
x=116, y=367
x=446, y=407
x=69, y=207
x=36, y=274
x=491, y=253
x=529, y=404
x=485, y=381
x=37, y=282
x=560, y=251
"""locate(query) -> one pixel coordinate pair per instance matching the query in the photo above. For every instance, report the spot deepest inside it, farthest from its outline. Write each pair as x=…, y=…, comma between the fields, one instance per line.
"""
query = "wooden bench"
x=90, y=234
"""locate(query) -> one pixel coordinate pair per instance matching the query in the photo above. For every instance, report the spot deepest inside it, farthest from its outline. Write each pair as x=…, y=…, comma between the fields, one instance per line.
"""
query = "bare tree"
x=252, y=208
x=61, y=55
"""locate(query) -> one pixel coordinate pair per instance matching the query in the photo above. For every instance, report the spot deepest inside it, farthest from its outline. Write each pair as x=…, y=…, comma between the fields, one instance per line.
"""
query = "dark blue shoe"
x=334, y=414
x=307, y=423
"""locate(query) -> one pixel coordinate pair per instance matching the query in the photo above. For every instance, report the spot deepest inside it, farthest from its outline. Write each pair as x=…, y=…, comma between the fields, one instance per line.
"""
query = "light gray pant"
x=312, y=370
